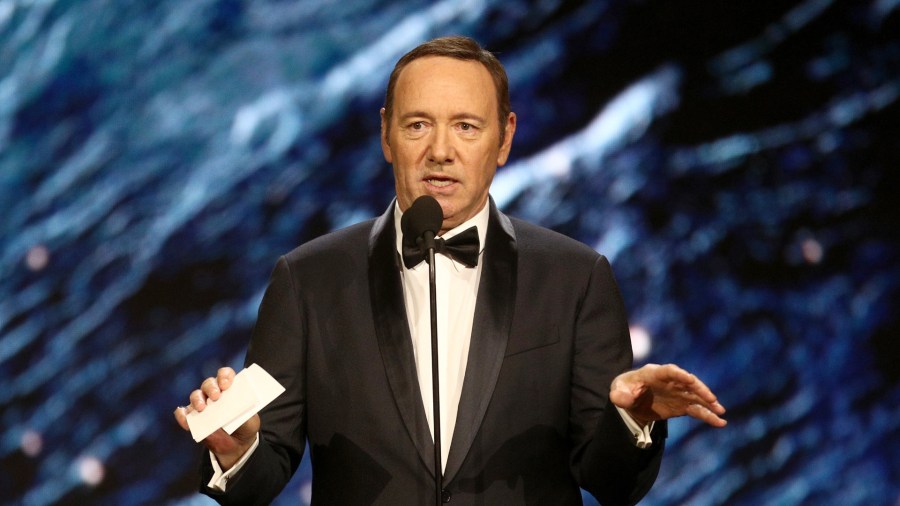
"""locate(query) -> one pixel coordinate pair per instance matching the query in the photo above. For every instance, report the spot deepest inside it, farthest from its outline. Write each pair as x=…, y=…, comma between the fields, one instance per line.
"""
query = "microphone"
x=419, y=224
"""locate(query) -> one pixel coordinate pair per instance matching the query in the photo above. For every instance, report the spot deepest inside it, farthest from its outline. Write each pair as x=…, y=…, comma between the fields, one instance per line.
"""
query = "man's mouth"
x=439, y=182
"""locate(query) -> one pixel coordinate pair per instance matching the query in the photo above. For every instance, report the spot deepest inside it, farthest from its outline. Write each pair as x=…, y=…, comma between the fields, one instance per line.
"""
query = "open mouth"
x=440, y=182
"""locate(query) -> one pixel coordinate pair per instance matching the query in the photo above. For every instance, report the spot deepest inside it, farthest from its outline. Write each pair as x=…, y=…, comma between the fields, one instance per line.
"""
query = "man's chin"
x=452, y=219
x=446, y=207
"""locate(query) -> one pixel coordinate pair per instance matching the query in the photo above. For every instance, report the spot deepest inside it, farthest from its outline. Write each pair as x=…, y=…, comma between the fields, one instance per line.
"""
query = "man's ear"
x=385, y=144
x=506, y=145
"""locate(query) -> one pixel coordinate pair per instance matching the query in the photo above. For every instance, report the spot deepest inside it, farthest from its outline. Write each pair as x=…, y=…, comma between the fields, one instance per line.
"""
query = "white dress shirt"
x=457, y=289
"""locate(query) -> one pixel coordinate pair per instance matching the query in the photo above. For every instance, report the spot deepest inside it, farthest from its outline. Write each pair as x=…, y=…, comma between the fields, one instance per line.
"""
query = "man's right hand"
x=228, y=449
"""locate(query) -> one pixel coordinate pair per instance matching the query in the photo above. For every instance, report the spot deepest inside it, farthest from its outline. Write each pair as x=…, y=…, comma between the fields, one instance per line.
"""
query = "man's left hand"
x=659, y=392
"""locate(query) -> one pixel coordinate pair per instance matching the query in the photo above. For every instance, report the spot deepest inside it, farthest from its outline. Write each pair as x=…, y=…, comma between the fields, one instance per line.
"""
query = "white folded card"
x=252, y=389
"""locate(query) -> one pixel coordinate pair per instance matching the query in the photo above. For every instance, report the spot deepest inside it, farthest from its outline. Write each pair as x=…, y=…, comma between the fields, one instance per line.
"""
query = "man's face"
x=444, y=136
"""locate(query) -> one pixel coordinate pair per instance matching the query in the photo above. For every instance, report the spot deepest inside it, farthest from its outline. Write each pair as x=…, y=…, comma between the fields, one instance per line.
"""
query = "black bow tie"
x=463, y=247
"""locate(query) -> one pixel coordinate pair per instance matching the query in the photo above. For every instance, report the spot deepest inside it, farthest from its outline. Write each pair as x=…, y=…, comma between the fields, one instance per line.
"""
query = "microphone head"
x=424, y=215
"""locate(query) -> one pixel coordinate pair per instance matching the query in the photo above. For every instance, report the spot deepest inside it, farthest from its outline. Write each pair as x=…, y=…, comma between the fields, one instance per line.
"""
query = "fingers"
x=197, y=400
x=667, y=377
x=704, y=396
x=673, y=392
x=702, y=402
x=706, y=415
x=671, y=373
x=225, y=378
x=693, y=388
x=181, y=417
x=699, y=407
x=211, y=389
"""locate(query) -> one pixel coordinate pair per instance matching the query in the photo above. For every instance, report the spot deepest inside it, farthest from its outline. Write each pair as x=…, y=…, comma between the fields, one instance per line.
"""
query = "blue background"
x=737, y=161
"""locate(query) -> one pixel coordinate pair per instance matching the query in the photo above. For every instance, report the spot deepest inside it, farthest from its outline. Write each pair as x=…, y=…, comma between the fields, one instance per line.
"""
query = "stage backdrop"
x=736, y=160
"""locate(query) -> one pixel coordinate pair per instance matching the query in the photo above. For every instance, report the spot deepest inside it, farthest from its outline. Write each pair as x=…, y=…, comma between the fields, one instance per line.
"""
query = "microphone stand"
x=436, y=400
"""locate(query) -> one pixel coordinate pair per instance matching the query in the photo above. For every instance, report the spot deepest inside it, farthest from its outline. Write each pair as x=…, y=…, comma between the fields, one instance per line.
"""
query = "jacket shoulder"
x=538, y=240
x=333, y=248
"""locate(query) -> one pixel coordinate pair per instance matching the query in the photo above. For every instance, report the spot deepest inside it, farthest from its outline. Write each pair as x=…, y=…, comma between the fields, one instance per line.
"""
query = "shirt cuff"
x=641, y=435
x=220, y=478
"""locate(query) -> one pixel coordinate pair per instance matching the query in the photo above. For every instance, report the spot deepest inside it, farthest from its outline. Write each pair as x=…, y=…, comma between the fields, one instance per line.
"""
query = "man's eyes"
x=418, y=126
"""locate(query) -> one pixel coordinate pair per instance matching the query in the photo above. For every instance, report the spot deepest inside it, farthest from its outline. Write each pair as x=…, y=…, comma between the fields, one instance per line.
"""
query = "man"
x=533, y=339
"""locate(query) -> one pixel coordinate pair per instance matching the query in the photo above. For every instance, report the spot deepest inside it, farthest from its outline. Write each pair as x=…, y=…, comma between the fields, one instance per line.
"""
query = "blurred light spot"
x=812, y=251
x=626, y=117
x=883, y=7
x=6, y=11
x=306, y=493
x=557, y=162
x=746, y=79
x=91, y=470
x=828, y=142
x=32, y=443
x=640, y=342
x=614, y=241
x=252, y=118
x=37, y=258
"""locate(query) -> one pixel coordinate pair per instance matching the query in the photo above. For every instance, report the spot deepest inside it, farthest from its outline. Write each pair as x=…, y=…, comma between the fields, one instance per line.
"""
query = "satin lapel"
x=490, y=332
x=392, y=331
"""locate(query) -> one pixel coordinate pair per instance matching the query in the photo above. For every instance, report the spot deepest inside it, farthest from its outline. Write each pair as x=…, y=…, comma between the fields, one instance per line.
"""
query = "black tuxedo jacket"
x=534, y=421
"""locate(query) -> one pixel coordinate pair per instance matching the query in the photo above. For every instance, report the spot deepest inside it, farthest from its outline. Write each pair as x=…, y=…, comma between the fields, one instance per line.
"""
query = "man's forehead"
x=432, y=75
x=430, y=67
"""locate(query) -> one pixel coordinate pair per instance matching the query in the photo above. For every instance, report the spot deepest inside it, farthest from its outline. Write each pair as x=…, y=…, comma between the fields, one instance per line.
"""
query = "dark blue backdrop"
x=737, y=161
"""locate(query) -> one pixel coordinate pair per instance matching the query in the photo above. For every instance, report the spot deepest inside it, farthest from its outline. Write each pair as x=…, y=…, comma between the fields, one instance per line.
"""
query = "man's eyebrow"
x=415, y=114
x=469, y=117
x=465, y=116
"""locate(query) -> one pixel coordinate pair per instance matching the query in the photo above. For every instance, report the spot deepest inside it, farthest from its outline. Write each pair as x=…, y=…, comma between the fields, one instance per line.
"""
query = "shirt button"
x=445, y=496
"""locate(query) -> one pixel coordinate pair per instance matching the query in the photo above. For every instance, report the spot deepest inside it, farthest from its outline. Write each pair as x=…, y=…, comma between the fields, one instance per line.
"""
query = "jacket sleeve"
x=278, y=345
x=604, y=458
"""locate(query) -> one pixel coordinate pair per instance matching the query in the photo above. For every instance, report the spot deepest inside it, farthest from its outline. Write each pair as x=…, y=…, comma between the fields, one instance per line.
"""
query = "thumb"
x=622, y=398
x=247, y=431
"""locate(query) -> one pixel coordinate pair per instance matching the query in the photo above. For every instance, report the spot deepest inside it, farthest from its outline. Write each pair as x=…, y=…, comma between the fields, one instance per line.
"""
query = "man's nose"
x=441, y=150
